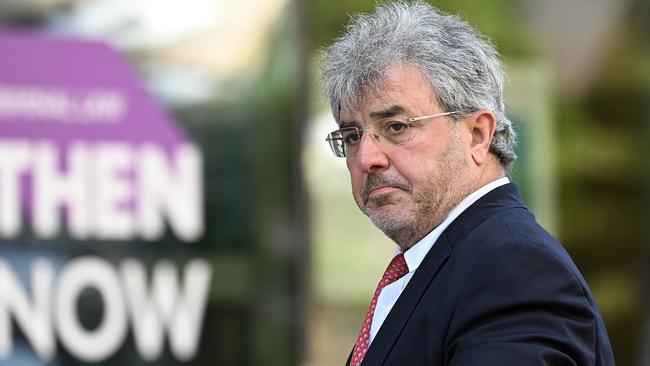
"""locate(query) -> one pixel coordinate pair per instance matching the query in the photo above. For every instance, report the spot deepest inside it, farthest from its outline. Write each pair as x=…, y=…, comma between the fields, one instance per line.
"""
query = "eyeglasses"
x=390, y=131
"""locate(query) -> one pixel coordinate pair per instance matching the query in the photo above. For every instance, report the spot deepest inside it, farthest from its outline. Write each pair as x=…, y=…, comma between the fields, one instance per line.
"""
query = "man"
x=418, y=97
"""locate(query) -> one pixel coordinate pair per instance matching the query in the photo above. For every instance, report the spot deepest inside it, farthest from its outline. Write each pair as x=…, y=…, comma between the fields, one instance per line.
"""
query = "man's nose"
x=371, y=155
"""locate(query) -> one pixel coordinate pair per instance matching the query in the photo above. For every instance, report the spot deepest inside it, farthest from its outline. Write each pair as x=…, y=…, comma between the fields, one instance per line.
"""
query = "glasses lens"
x=351, y=137
x=335, y=140
x=344, y=141
x=397, y=132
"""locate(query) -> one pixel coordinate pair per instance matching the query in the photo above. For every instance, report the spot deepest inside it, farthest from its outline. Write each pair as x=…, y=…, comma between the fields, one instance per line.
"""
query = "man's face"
x=408, y=189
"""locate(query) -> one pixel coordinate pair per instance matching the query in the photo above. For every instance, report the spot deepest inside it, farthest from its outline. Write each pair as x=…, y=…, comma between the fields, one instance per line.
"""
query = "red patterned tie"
x=396, y=269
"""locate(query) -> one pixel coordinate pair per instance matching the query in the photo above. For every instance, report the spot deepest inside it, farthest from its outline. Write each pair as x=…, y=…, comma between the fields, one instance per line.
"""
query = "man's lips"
x=382, y=190
x=377, y=186
x=381, y=193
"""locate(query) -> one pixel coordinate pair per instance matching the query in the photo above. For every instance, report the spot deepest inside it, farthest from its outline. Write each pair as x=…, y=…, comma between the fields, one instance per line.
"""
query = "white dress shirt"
x=416, y=254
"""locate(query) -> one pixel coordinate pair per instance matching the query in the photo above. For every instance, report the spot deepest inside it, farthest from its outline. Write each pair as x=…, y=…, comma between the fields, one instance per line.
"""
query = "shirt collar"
x=416, y=253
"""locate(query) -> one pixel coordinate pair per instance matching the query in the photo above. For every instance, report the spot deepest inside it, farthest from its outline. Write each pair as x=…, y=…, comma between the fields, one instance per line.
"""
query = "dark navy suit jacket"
x=495, y=290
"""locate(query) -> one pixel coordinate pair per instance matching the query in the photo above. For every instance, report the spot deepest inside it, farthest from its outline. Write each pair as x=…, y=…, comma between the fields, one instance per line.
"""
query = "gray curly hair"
x=462, y=66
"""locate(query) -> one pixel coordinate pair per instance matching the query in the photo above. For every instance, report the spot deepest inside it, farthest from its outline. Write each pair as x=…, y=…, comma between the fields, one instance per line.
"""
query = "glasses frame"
x=340, y=151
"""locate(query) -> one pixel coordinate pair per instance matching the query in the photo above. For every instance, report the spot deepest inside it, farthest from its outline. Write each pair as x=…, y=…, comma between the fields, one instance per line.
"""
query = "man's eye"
x=351, y=138
x=395, y=128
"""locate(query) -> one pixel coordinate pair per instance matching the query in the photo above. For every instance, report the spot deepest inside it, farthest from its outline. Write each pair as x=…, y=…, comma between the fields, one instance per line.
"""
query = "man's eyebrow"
x=344, y=124
x=391, y=111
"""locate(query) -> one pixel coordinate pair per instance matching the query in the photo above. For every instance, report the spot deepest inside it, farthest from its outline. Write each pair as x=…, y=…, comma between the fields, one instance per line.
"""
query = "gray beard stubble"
x=432, y=201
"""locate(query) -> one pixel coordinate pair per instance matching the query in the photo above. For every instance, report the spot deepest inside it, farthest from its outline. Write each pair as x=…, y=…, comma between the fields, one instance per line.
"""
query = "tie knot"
x=396, y=270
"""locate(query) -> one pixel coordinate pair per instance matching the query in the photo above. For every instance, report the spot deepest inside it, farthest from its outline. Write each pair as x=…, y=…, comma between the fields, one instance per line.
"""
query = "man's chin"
x=394, y=227
x=387, y=215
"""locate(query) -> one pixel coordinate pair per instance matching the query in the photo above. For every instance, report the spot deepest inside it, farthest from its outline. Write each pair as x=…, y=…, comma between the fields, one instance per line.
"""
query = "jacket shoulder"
x=521, y=292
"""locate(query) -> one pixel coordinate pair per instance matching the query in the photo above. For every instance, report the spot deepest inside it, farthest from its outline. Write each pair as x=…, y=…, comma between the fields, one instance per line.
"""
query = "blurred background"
x=293, y=263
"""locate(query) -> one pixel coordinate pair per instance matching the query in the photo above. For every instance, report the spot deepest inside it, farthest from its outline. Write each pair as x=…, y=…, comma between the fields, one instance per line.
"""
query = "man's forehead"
x=404, y=89
x=375, y=103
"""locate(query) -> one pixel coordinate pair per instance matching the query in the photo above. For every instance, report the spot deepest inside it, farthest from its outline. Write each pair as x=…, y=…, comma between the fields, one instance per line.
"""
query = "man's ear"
x=481, y=125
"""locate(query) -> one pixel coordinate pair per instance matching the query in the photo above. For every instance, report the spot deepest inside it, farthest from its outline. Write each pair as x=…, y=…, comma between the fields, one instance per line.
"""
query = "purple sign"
x=66, y=90
x=84, y=148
